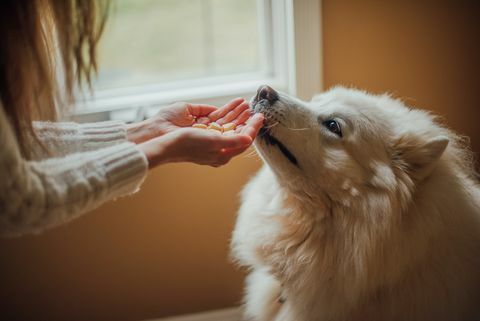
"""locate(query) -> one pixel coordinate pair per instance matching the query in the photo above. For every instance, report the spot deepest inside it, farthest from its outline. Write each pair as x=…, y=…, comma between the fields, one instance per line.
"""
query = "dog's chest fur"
x=326, y=268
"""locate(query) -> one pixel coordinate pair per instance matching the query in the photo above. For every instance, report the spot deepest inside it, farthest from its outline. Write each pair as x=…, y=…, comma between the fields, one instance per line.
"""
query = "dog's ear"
x=418, y=157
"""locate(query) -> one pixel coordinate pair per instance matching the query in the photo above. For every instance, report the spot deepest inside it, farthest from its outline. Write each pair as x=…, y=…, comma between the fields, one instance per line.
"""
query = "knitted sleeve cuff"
x=113, y=171
x=63, y=138
x=51, y=192
x=98, y=135
x=126, y=168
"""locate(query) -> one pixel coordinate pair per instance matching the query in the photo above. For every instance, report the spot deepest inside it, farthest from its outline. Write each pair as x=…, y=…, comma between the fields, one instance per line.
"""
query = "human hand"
x=181, y=115
x=185, y=115
x=201, y=146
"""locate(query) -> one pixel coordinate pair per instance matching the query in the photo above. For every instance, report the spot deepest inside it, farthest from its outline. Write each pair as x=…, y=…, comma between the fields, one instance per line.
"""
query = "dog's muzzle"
x=263, y=103
x=266, y=96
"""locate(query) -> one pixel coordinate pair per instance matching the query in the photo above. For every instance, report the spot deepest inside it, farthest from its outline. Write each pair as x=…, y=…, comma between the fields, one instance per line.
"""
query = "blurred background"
x=154, y=41
x=164, y=250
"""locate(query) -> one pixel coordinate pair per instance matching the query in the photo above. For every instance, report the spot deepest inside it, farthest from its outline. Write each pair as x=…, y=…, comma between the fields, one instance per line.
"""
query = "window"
x=155, y=52
x=159, y=41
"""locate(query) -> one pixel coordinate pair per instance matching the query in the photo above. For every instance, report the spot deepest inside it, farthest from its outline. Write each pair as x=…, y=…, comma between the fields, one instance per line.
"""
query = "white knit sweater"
x=91, y=163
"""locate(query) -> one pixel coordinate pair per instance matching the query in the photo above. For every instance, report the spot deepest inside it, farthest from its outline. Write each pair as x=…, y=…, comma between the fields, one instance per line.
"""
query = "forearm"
x=143, y=131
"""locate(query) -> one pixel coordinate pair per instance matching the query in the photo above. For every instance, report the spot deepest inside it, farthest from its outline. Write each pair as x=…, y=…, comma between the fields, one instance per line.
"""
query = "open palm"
x=181, y=115
x=177, y=141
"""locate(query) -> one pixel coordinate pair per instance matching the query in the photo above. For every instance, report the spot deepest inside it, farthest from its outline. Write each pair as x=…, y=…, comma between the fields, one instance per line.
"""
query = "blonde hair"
x=33, y=33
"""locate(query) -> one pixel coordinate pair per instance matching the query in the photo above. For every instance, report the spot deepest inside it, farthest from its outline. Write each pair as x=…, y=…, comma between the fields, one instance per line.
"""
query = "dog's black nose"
x=268, y=93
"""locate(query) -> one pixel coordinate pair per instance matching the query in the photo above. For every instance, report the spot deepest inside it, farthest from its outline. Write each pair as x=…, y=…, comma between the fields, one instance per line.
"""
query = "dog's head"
x=345, y=142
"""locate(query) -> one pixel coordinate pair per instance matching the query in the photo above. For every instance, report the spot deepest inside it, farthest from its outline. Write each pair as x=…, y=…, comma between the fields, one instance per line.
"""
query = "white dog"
x=365, y=210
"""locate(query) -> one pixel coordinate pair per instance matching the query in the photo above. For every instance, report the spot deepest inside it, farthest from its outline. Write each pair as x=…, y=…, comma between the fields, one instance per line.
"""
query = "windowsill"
x=134, y=106
x=154, y=98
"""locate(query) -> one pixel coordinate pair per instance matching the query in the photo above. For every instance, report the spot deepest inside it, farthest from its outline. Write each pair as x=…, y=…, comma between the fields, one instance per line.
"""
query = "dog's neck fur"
x=310, y=246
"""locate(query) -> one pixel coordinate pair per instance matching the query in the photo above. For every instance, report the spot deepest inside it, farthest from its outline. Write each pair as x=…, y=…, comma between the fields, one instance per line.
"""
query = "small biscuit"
x=201, y=126
x=229, y=126
x=215, y=126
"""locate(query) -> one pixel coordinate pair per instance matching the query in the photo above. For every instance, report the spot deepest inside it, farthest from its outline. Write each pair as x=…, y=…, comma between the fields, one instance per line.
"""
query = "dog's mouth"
x=263, y=102
x=270, y=140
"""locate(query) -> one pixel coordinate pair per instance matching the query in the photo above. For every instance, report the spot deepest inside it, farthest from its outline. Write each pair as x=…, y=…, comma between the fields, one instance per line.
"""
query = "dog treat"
x=228, y=127
x=215, y=126
x=201, y=126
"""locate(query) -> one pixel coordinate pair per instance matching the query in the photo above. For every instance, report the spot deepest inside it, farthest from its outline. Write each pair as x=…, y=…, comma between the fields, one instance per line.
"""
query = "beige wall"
x=425, y=52
x=164, y=250
x=160, y=252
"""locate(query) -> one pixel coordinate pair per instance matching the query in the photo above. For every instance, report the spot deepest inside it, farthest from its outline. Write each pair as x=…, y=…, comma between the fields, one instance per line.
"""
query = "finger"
x=233, y=114
x=233, y=142
x=242, y=118
x=222, y=111
x=199, y=110
x=234, y=152
x=227, y=154
x=239, y=129
x=253, y=126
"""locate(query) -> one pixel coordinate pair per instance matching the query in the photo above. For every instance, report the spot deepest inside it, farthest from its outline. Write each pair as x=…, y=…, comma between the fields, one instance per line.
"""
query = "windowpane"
x=154, y=41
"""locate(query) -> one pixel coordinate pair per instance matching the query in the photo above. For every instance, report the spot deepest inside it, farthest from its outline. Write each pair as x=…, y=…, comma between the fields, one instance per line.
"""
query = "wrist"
x=145, y=130
x=158, y=151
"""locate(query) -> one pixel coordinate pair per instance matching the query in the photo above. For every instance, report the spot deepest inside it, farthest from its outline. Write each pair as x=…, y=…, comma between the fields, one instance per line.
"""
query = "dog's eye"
x=333, y=126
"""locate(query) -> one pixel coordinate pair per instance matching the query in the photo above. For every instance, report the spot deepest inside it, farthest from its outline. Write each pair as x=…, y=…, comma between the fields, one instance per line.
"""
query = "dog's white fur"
x=380, y=224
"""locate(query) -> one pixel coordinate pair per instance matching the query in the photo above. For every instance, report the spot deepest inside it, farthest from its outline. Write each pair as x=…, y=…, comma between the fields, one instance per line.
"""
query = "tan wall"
x=164, y=250
x=160, y=252
x=425, y=52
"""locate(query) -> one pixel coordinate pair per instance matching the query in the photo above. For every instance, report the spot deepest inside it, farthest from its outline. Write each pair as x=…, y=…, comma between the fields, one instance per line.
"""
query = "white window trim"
x=306, y=44
x=297, y=69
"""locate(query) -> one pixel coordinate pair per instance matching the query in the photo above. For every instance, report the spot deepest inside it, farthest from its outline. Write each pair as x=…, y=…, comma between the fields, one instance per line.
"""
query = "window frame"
x=292, y=52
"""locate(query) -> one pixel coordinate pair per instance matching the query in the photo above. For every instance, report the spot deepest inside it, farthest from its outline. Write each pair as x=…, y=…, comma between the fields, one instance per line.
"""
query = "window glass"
x=157, y=41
